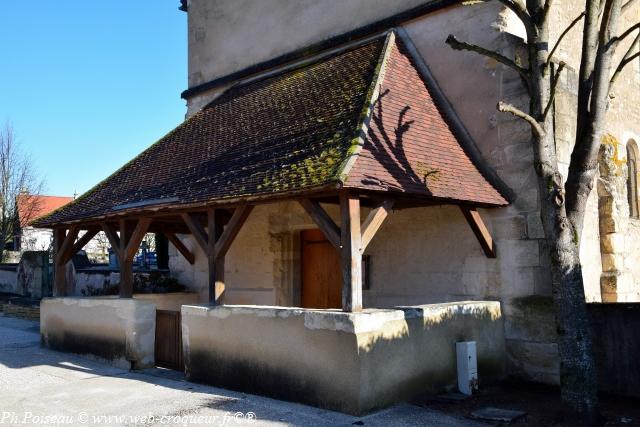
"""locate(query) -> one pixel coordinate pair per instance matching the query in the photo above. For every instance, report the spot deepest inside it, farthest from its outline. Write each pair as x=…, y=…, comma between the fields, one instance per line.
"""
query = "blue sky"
x=88, y=85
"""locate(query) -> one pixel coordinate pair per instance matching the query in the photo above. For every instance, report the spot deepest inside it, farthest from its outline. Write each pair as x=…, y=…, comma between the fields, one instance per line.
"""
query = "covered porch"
x=342, y=138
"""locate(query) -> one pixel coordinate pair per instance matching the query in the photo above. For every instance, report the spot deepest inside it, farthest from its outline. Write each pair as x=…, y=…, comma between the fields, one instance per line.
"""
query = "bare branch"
x=535, y=126
x=621, y=66
x=458, y=45
x=617, y=40
x=547, y=8
x=564, y=33
x=521, y=12
x=627, y=5
x=554, y=87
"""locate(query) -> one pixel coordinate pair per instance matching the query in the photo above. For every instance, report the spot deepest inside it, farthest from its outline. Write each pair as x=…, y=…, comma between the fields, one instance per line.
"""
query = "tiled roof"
x=296, y=131
x=410, y=146
x=34, y=206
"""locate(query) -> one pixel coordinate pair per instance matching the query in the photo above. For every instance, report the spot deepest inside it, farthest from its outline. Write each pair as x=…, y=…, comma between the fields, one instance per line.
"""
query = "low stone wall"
x=616, y=338
x=120, y=331
x=350, y=362
x=8, y=277
x=25, y=312
x=169, y=301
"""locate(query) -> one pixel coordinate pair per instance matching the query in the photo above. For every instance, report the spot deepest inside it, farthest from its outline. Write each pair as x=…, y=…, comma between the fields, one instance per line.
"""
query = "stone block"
x=534, y=226
x=530, y=318
x=520, y=253
x=610, y=262
x=533, y=361
x=510, y=228
x=527, y=200
x=612, y=243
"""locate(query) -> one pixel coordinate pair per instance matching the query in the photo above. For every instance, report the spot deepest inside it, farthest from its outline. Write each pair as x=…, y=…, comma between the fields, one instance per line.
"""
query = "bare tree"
x=19, y=187
x=563, y=203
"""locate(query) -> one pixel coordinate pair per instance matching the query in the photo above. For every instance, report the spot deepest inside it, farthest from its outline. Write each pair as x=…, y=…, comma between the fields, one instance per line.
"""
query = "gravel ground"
x=40, y=386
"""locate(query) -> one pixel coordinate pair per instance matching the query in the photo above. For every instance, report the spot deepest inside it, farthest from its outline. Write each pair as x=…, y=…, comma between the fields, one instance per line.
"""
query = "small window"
x=632, y=180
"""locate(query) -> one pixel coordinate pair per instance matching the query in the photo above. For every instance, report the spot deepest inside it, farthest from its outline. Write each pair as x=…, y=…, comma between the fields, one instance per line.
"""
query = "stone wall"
x=438, y=259
x=8, y=278
x=118, y=331
x=349, y=362
x=422, y=256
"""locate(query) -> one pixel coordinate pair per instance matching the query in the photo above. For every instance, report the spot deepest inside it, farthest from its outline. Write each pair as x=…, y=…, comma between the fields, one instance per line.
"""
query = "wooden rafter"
x=480, y=230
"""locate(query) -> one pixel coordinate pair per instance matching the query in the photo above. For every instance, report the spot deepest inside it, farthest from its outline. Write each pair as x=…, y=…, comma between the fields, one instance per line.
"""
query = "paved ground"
x=40, y=386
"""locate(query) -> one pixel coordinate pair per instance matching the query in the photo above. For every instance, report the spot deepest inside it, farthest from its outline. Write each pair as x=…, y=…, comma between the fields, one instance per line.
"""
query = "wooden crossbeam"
x=232, y=229
x=373, y=222
x=177, y=243
x=480, y=230
x=197, y=231
x=323, y=221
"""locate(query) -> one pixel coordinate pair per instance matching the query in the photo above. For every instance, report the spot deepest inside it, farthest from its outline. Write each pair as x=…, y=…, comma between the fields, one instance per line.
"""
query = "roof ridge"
x=458, y=128
x=365, y=116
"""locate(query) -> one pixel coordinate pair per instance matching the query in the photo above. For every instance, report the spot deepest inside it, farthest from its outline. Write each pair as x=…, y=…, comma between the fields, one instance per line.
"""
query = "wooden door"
x=168, y=348
x=321, y=273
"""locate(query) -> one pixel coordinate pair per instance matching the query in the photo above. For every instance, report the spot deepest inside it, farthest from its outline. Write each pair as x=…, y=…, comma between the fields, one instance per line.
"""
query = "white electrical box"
x=467, y=363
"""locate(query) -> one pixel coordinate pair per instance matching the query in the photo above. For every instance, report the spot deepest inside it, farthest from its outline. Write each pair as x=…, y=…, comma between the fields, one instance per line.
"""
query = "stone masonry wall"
x=424, y=255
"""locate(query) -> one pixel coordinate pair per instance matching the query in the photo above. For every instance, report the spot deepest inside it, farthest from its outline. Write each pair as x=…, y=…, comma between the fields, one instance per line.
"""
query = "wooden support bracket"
x=177, y=243
x=223, y=243
x=373, y=222
x=197, y=231
x=480, y=230
x=323, y=221
x=214, y=242
x=351, y=239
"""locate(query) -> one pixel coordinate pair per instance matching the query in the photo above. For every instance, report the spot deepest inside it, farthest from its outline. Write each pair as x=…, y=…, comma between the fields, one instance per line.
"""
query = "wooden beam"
x=323, y=221
x=67, y=245
x=82, y=241
x=112, y=236
x=60, y=285
x=136, y=238
x=350, y=253
x=198, y=232
x=373, y=222
x=223, y=243
x=213, y=227
x=177, y=243
x=480, y=230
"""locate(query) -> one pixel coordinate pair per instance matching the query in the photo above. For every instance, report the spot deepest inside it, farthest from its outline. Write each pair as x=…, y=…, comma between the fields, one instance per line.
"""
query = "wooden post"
x=126, y=245
x=216, y=265
x=60, y=285
x=215, y=242
x=66, y=247
x=351, y=255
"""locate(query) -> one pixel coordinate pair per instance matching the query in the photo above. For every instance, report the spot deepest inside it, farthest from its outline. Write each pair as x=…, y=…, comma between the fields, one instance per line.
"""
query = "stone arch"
x=632, y=179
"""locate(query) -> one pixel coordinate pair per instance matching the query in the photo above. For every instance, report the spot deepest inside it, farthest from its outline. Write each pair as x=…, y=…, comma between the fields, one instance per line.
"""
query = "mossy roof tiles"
x=296, y=131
